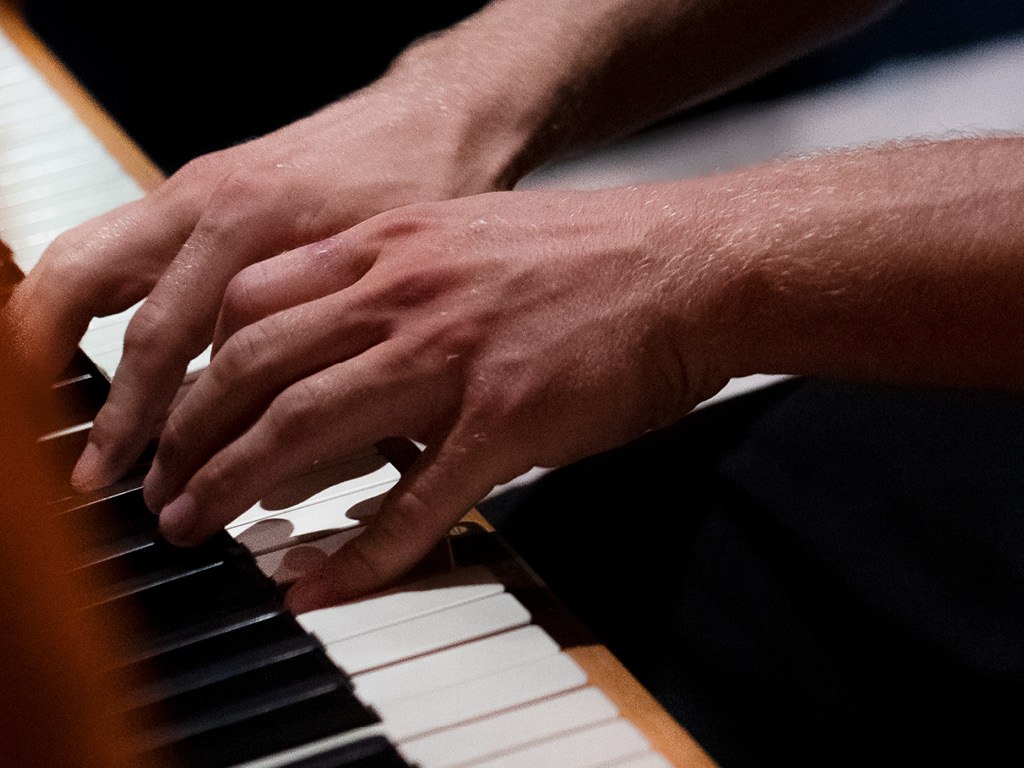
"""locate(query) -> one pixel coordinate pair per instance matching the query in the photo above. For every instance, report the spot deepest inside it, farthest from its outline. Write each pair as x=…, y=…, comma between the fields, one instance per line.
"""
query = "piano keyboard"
x=54, y=175
x=452, y=669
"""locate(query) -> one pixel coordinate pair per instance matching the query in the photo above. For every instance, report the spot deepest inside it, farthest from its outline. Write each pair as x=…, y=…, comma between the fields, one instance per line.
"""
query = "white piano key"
x=54, y=224
x=521, y=685
x=61, y=192
x=45, y=215
x=311, y=519
x=598, y=746
x=42, y=127
x=11, y=74
x=103, y=339
x=200, y=361
x=28, y=96
x=313, y=527
x=288, y=565
x=107, y=361
x=455, y=665
x=316, y=490
x=19, y=92
x=37, y=107
x=54, y=147
x=650, y=760
x=45, y=171
x=401, y=603
x=429, y=633
x=121, y=318
x=492, y=736
x=25, y=257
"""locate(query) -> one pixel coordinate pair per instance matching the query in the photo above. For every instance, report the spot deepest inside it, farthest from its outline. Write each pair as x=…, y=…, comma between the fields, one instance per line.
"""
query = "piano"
x=468, y=663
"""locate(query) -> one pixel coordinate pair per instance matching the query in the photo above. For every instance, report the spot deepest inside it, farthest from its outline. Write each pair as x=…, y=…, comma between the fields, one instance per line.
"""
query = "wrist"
x=490, y=134
x=511, y=80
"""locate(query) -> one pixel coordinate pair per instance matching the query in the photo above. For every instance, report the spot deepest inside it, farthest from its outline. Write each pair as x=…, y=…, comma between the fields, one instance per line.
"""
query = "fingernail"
x=308, y=594
x=90, y=471
x=178, y=519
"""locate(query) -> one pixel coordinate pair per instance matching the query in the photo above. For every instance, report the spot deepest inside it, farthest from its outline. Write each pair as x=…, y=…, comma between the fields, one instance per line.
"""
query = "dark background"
x=819, y=572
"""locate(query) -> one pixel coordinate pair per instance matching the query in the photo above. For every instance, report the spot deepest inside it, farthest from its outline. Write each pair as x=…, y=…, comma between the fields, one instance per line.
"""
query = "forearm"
x=902, y=264
x=537, y=78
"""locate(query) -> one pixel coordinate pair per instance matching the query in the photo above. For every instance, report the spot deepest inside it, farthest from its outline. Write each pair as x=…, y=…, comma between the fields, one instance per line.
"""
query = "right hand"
x=380, y=148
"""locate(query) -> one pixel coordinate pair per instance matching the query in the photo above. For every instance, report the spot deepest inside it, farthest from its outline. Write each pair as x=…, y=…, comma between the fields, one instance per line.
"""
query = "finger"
x=255, y=365
x=295, y=277
x=100, y=268
x=333, y=413
x=440, y=488
x=175, y=323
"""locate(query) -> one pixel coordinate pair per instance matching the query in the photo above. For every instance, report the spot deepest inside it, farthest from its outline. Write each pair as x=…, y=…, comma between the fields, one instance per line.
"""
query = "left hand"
x=503, y=331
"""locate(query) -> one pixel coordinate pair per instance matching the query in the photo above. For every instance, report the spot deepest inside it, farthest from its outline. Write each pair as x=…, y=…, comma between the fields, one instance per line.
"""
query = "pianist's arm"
x=468, y=111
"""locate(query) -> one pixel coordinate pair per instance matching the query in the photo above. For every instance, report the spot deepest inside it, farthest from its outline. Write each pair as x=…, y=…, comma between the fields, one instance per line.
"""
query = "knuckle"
x=230, y=206
x=197, y=169
x=241, y=354
x=241, y=186
x=293, y=413
x=195, y=180
x=151, y=330
x=250, y=199
x=244, y=190
x=240, y=301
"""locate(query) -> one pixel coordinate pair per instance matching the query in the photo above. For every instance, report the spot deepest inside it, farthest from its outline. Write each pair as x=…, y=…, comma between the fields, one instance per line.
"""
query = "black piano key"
x=106, y=551
x=61, y=454
x=374, y=752
x=215, y=671
x=113, y=519
x=211, y=658
x=144, y=647
x=80, y=367
x=151, y=562
x=300, y=713
x=75, y=402
x=253, y=676
x=207, y=674
x=198, y=595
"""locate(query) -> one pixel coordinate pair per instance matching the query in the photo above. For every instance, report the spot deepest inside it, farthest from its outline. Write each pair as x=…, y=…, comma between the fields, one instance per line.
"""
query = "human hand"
x=382, y=147
x=503, y=331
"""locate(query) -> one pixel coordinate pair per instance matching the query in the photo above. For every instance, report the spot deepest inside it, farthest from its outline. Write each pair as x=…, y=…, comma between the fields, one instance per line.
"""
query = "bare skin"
x=467, y=325
x=505, y=330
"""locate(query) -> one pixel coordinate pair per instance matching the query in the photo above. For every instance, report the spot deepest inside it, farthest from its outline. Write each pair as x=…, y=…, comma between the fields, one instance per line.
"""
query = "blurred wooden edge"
x=602, y=667
x=55, y=707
